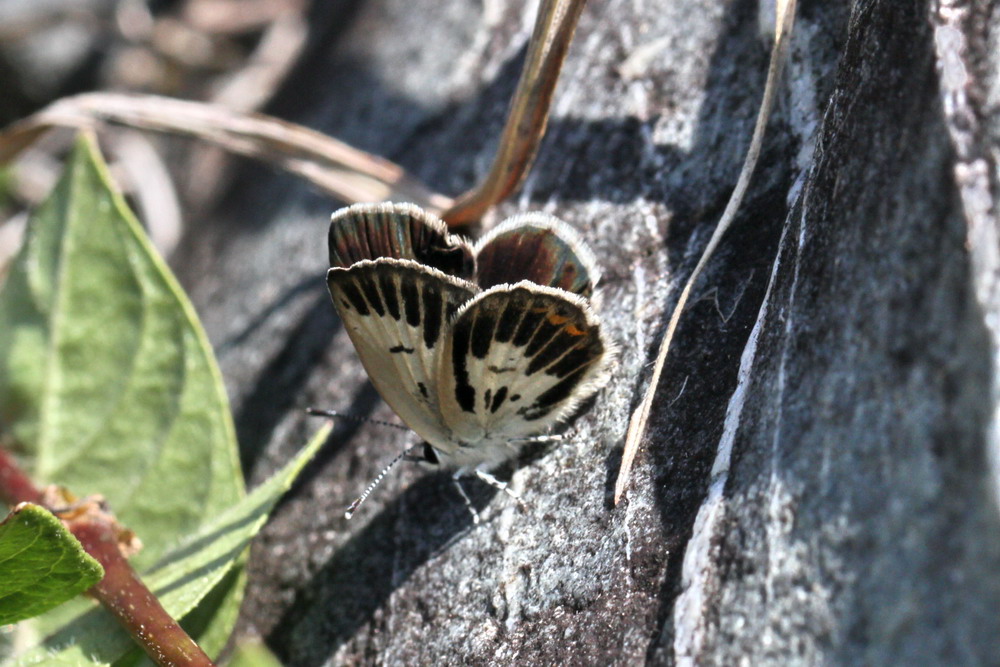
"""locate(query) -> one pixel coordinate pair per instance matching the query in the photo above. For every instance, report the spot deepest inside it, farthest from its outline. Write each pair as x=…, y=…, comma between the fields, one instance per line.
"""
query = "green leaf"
x=253, y=654
x=41, y=564
x=7, y=182
x=213, y=620
x=109, y=386
x=107, y=381
x=187, y=574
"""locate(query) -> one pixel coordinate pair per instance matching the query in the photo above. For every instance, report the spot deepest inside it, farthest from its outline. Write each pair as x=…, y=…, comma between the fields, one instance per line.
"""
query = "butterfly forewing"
x=470, y=371
x=397, y=314
x=519, y=358
x=397, y=231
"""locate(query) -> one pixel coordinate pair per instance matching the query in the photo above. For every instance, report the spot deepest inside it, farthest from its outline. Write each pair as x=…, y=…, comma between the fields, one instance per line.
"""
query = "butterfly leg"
x=497, y=484
x=465, y=498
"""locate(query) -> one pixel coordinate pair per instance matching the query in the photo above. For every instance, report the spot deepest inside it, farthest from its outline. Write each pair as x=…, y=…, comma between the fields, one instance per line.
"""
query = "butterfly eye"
x=430, y=456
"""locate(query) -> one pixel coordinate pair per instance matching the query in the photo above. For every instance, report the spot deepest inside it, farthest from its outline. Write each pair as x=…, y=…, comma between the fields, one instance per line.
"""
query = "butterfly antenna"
x=353, y=507
x=317, y=412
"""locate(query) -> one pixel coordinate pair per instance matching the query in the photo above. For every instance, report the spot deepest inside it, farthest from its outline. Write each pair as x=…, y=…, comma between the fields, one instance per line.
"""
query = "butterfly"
x=476, y=347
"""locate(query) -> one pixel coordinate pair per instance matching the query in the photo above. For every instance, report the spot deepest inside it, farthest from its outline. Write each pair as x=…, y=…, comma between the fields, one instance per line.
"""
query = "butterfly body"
x=475, y=348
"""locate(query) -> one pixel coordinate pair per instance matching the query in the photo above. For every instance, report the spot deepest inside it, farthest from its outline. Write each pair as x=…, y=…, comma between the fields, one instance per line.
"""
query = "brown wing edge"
x=397, y=231
x=539, y=248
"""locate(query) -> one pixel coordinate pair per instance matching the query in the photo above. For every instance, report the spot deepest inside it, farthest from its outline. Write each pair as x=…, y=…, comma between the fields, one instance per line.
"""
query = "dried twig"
x=637, y=425
x=343, y=172
x=334, y=167
x=246, y=89
x=529, y=111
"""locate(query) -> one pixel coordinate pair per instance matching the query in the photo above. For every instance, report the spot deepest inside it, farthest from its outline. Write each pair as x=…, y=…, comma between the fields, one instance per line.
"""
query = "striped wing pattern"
x=397, y=313
x=397, y=231
x=469, y=365
x=519, y=359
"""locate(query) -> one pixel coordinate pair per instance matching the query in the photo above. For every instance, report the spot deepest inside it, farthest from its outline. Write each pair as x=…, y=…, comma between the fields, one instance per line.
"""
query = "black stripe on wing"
x=555, y=334
x=397, y=231
x=426, y=298
x=392, y=310
x=465, y=394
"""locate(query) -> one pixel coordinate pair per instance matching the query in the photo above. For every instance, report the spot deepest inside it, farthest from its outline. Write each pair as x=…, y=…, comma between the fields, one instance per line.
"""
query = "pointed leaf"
x=253, y=654
x=107, y=381
x=41, y=564
x=188, y=573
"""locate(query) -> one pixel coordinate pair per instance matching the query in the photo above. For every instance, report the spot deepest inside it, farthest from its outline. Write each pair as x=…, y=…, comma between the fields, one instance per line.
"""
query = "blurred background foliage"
x=232, y=52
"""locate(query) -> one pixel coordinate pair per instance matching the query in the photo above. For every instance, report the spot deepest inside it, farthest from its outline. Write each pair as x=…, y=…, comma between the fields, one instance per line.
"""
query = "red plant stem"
x=123, y=594
x=15, y=486
x=121, y=591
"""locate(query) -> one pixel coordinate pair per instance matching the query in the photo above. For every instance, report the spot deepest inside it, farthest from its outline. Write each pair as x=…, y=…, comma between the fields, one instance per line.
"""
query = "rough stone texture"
x=820, y=482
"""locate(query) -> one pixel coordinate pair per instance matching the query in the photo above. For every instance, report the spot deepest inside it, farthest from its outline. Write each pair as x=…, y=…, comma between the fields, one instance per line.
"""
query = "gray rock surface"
x=820, y=480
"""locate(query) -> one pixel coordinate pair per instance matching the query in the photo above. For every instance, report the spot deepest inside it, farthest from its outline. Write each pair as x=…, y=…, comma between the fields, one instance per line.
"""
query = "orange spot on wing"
x=557, y=320
x=573, y=331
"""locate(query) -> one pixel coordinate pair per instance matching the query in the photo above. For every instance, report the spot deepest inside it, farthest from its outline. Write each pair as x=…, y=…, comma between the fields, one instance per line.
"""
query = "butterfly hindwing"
x=538, y=248
x=520, y=358
x=476, y=348
x=397, y=314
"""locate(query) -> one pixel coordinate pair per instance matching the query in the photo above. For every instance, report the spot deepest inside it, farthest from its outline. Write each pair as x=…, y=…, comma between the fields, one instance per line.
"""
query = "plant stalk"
x=120, y=591
x=529, y=111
